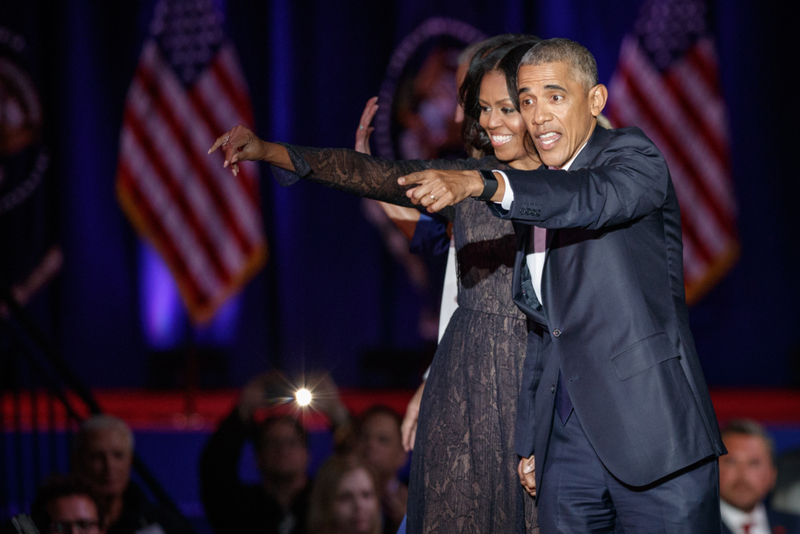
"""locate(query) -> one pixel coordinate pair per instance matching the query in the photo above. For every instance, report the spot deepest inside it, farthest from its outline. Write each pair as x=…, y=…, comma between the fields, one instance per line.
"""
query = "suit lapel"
x=594, y=145
x=523, y=285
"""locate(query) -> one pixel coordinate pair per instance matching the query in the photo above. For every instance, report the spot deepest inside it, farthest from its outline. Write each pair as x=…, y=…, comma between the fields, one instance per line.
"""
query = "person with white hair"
x=102, y=459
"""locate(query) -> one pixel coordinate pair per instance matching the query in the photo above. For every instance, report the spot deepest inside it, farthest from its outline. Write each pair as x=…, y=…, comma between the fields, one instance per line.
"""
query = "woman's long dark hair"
x=488, y=58
x=509, y=66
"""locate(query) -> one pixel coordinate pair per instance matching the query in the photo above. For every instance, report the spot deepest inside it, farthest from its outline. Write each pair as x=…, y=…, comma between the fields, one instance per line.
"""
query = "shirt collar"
x=733, y=517
x=569, y=163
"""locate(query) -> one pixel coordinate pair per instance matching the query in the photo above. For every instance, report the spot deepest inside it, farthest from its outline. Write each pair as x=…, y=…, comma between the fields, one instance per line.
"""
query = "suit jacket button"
x=556, y=332
x=552, y=389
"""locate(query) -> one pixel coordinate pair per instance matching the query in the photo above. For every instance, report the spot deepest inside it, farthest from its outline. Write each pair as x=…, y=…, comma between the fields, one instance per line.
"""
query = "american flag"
x=667, y=84
x=188, y=89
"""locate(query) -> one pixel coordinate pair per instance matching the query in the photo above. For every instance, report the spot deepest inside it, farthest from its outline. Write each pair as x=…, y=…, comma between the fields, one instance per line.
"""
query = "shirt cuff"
x=508, y=196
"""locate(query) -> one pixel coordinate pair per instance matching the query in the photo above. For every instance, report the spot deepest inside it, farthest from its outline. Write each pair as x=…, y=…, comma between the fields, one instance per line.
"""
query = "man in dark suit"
x=613, y=404
x=746, y=476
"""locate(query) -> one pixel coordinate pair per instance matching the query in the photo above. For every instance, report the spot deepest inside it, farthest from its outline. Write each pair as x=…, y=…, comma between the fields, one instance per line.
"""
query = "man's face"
x=105, y=464
x=73, y=514
x=746, y=473
x=283, y=453
x=558, y=112
x=380, y=445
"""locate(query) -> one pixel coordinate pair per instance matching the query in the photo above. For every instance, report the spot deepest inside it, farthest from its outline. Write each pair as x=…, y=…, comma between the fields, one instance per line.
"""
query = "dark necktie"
x=537, y=242
x=746, y=527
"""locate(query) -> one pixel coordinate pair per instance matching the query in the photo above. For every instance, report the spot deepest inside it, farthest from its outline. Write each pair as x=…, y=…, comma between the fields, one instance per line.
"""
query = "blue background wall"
x=311, y=65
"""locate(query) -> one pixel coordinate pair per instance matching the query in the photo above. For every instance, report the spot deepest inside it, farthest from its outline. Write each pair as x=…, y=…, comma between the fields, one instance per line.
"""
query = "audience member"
x=279, y=503
x=786, y=496
x=102, y=458
x=747, y=475
x=379, y=444
x=344, y=499
x=65, y=505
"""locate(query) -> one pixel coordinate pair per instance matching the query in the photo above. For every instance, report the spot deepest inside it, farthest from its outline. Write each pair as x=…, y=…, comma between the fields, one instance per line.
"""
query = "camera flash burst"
x=303, y=397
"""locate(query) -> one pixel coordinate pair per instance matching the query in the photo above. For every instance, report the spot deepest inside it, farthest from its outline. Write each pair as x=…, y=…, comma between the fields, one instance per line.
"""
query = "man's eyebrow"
x=549, y=87
x=554, y=86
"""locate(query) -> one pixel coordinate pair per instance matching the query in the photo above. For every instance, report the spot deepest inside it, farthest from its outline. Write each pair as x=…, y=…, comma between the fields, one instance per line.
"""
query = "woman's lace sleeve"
x=361, y=175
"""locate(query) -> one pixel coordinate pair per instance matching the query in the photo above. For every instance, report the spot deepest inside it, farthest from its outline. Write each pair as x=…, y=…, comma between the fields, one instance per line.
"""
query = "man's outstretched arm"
x=437, y=189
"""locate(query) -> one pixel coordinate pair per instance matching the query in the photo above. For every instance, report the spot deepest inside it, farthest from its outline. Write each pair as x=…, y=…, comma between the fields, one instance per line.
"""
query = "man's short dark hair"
x=55, y=487
x=269, y=422
x=748, y=427
x=380, y=409
x=559, y=50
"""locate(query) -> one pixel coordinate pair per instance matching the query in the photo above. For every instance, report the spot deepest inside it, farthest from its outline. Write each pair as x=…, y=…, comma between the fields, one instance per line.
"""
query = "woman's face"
x=503, y=123
x=355, y=506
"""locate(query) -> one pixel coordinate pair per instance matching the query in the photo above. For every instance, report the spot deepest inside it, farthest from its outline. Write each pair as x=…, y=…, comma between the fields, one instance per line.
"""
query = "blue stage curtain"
x=329, y=286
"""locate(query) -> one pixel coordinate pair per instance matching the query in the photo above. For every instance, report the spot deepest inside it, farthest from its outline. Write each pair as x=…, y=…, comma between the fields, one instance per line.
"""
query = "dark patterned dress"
x=464, y=469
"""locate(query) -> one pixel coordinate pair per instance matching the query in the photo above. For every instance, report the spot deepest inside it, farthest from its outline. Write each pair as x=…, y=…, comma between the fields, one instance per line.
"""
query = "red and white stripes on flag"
x=673, y=95
x=204, y=222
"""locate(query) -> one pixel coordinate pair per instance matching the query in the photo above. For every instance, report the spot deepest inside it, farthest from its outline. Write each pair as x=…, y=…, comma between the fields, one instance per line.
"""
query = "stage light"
x=303, y=397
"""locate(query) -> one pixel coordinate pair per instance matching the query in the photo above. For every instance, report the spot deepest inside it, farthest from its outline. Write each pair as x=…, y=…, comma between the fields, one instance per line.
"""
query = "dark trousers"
x=579, y=495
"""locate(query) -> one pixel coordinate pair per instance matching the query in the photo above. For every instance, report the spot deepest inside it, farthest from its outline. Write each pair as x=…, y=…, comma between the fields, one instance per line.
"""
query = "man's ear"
x=598, y=95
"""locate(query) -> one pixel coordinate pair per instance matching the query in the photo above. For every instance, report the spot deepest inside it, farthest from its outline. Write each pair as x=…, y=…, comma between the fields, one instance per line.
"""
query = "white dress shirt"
x=734, y=519
x=537, y=243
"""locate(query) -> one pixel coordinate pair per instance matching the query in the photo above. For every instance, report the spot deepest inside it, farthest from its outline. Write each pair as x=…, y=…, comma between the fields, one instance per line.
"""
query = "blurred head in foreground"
x=344, y=499
x=747, y=473
x=65, y=505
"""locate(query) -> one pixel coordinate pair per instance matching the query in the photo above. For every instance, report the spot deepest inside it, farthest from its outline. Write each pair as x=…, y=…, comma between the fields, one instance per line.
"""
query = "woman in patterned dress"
x=464, y=469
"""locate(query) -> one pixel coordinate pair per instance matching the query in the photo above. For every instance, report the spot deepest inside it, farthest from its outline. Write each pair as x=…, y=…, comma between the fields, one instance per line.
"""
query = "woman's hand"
x=405, y=219
x=239, y=144
x=408, y=429
x=364, y=129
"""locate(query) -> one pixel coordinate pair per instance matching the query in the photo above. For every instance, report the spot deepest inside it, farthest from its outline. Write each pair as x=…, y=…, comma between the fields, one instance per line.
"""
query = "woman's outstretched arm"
x=341, y=169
